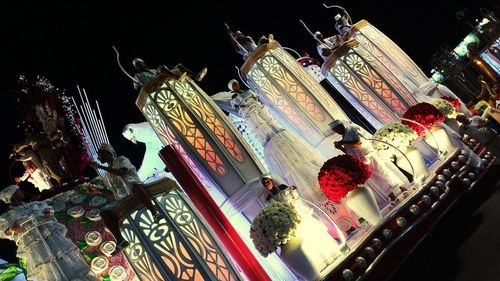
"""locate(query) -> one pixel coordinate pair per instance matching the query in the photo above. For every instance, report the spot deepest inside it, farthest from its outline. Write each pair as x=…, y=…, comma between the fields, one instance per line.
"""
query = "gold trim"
x=152, y=86
x=337, y=54
x=360, y=24
x=259, y=52
x=130, y=203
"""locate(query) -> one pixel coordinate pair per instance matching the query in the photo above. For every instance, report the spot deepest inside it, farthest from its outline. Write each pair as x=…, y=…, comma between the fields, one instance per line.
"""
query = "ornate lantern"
x=363, y=80
x=184, y=116
x=300, y=102
x=180, y=247
x=389, y=54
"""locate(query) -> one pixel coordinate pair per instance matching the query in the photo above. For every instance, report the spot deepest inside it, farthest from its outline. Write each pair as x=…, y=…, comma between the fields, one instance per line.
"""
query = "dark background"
x=70, y=43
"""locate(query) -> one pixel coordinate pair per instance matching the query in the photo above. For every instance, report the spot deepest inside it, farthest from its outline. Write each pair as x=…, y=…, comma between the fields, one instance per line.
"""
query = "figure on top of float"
x=145, y=75
x=244, y=44
x=343, y=25
x=35, y=172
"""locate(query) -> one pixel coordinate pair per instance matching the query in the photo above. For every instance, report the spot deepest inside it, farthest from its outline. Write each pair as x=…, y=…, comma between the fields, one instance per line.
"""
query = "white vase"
x=439, y=136
x=298, y=259
x=417, y=161
x=311, y=250
x=362, y=202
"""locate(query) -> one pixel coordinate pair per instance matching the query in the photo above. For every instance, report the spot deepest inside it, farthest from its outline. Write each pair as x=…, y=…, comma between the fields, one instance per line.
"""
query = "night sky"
x=70, y=42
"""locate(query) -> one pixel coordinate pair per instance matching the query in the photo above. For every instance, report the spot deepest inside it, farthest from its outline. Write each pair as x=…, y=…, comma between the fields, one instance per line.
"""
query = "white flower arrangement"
x=273, y=226
x=445, y=107
x=397, y=134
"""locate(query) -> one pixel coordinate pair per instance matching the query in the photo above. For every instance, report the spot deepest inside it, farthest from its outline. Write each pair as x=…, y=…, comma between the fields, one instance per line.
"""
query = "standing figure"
x=325, y=46
x=385, y=175
x=35, y=171
x=244, y=45
x=50, y=157
x=287, y=155
x=342, y=25
x=145, y=75
x=122, y=179
x=476, y=127
x=41, y=240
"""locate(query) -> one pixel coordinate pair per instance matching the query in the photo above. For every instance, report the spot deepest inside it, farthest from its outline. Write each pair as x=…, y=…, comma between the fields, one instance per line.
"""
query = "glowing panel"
x=179, y=247
x=167, y=137
x=186, y=127
x=205, y=113
x=374, y=81
x=275, y=96
x=364, y=96
x=392, y=51
x=398, y=78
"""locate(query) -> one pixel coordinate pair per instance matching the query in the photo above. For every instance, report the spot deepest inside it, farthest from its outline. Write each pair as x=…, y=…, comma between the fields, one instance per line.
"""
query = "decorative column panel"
x=386, y=50
x=180, y=247
x=182, y=114
x=184, y=117
x=363, y=80
x=285, y=86
x=214, y=216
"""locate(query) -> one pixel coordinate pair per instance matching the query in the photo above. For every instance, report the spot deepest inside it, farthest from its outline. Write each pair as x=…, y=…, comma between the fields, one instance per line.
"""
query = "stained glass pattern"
x=393, y=50
x=276, y=99
x=311, y=84
x=138, y=256
x=179, y=245
x=357, y=89
x=290, y=85
x=382, y=68
x=167, y=137
x=183, y=124
x=203, y=111
x=374, y=82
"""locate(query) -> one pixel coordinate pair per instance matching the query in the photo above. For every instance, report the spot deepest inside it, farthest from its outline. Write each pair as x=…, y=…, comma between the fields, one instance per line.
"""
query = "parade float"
x=263, y=194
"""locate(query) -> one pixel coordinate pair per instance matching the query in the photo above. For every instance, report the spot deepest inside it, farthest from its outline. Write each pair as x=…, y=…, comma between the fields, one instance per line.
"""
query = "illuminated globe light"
x=183, y=115
x=389, y=53
x=293, y=94
x=365, y=82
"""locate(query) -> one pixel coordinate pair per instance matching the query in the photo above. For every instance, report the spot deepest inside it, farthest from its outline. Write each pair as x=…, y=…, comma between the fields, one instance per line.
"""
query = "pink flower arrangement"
x=425, y=114
x=342, y=174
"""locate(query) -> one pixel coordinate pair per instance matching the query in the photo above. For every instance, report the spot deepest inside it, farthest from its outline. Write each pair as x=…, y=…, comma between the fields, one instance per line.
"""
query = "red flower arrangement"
x=455, y=102
x=425, y=114
x=342, y=174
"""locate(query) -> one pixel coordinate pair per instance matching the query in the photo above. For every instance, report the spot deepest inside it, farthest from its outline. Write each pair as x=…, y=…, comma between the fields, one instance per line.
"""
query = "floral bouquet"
x=273, y=226
x=397, y=134
x=454, y=101
x=342, y=174
x=425, y=114
x=444, y=106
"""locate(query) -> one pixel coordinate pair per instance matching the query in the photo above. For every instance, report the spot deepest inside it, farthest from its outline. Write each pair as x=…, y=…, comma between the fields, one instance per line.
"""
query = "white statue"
x=41, y=240
x=152, y=166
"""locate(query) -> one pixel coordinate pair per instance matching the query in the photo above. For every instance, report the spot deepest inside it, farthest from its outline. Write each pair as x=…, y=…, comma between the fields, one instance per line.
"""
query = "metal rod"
x=432, y=135
x=121, y=67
